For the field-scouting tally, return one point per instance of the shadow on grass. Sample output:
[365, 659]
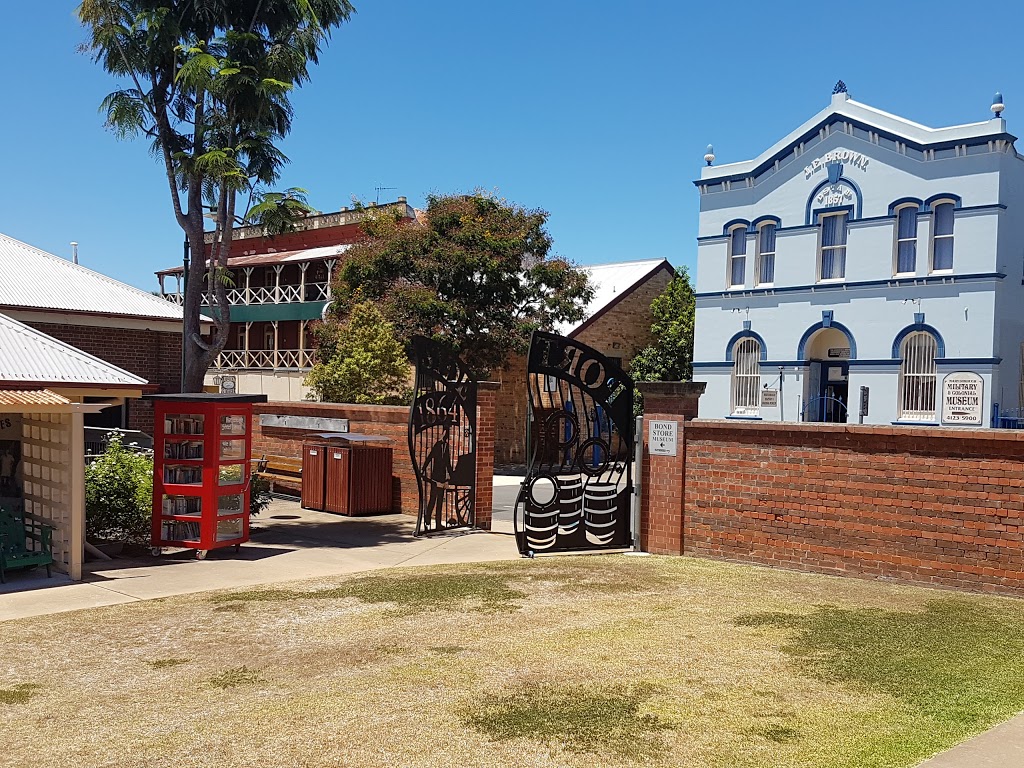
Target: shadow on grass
[959, 662]
[19, 694]
[483, 592]
[579, 718]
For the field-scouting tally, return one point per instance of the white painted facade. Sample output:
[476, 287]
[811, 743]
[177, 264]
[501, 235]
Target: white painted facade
[890, 299]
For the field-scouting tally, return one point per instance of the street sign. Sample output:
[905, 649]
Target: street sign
[661, 437]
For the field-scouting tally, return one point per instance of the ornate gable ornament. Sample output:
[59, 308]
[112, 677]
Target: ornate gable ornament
[840, 88]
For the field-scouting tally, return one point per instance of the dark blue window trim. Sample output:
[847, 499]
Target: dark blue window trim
[801, 352]
[745, 418]
[808, 220]
[946, 196]
[766, 220]
[731, 225]
[892, 282]
[906, 201]
[898, 341]
[746, 334]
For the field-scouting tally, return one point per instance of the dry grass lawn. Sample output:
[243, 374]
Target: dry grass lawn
[590, 661]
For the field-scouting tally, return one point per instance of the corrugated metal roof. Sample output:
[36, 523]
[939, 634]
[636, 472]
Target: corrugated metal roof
[609, 282]
[281, 257]
[33, 278]
[28, 355]
[12, 397]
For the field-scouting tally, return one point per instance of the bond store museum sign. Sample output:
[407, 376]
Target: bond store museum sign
[662, 438]
[963, 395]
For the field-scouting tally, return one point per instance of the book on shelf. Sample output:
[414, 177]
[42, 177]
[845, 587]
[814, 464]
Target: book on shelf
[183, 475]
[179, 530]
[185, 450]
[183, 505]
[183, 425]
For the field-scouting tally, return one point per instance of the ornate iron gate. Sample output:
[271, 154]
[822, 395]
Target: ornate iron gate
[579, 483]
[442, 438]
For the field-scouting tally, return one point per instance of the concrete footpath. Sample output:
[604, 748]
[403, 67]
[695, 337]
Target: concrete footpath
[287, 543]
[1000, 747]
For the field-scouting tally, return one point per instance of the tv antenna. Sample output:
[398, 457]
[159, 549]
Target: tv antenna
[382, 189]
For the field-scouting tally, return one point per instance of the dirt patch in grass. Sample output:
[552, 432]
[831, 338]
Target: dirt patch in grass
[605, 720]
[235, 677]
[409, 593]
[166, 663]
[19, 694]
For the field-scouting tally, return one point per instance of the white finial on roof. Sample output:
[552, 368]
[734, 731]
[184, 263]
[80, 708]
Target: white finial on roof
[997, 104]
[709, 156]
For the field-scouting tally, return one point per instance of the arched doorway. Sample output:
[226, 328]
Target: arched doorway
[828, 351]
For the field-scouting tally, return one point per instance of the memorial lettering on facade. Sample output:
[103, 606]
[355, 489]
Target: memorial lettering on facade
[578, 489]
[442, 438]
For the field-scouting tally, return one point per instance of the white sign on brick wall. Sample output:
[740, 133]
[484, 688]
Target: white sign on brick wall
[661, 437]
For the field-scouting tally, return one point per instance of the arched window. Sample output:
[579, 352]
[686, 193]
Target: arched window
[737, 256]
[906, 240]
[766, 254]
[942, 236]
[746, 378]
[917, 377]
[832, 258]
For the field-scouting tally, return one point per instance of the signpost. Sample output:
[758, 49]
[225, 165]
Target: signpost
[963, 395]
[863, 403]
[661, 437]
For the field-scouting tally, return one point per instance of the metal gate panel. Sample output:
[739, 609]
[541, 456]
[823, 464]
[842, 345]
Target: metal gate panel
[442, 438]
[577, 494]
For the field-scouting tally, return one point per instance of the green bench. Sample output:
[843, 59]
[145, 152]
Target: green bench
[24, 542]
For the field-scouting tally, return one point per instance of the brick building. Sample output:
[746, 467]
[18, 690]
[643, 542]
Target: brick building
[617, 324]
[281, 285]
[121, 325]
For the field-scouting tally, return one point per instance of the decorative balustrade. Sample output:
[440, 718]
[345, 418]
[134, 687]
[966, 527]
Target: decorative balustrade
[265, 358]
[270, 294]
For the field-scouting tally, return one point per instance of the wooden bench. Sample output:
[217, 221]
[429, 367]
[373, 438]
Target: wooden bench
[24, 542]
[280, 469]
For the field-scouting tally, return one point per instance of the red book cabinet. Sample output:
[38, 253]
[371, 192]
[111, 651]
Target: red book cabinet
[202, 446]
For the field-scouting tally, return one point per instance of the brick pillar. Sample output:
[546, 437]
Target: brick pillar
[486, 424]
[662, 506]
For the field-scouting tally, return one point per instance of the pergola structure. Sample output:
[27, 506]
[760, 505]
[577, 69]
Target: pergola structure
[43, 387]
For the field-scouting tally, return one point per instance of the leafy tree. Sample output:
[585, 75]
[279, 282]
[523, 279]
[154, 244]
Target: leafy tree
[119, 494]
[670, 357]
[474, 273]
[360, 360]
[209, 82]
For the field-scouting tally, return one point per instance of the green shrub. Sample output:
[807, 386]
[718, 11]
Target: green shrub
[119, 495]
[259, 494]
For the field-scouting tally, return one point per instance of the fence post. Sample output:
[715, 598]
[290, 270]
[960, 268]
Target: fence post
[667, 406]
[486, 430]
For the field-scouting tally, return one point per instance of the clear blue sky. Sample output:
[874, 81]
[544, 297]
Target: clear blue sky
[598, 112]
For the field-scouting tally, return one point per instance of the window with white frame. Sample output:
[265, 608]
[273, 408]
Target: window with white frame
[832, 261]
[766, 254]
[942, 236]
[917, 377]
[737, 256]
[906, 240]
[746, 378]
[240, 337]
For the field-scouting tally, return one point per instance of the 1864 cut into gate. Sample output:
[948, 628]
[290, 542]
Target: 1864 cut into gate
[442, 438]
[579, 482]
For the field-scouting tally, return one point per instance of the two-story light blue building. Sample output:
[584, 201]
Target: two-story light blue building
[863, 250]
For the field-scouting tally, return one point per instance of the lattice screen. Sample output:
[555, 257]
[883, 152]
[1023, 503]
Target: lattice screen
[46, 467]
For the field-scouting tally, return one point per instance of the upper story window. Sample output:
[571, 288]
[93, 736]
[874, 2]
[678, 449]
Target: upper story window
[766, 254]
[917, 377]
[746, 378]
[737, 256]
[832, 259]
[942, 236]
[906, 240]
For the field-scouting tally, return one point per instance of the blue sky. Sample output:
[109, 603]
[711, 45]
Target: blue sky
[597, 112]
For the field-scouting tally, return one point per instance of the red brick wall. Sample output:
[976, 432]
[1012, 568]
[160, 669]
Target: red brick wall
[153, 355]
[928, 505]
[387, 420]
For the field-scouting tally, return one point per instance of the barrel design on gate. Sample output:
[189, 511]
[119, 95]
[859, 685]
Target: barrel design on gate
[578, 488]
